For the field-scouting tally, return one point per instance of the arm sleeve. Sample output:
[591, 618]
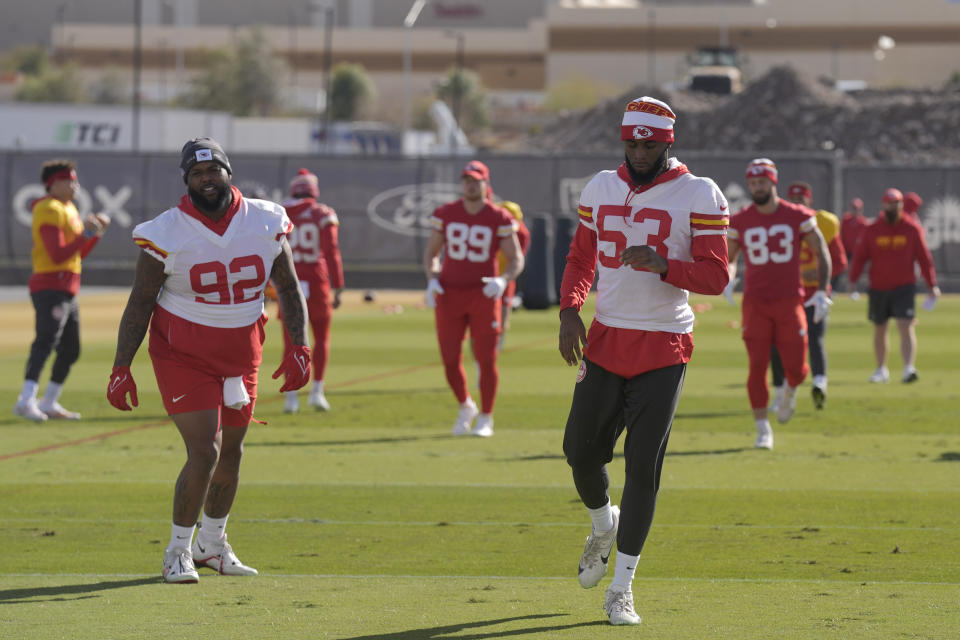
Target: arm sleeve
[580, 270]
[860, 257]
[57, 247]
[330, 248]
[838, 256]
[709, 220]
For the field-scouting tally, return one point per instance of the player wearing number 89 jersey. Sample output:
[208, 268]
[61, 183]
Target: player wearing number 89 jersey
[465, 289]
[770, 233]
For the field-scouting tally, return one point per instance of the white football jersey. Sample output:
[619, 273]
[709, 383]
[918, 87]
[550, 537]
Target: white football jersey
[662, 217]
[216, 280]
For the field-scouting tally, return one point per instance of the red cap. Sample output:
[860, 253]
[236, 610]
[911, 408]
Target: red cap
[799, 189]
[857, 203]
[912, 202]
[477, 170]
[892, 195]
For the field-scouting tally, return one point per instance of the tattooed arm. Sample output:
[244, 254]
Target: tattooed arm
[136, 316]
[289, 295]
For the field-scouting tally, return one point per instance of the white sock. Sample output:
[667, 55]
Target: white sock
[602, 518]
[763, 425]
[52, 393]
[180, 536]
[29, 391]
[318, 386]
[909, 369]
[291, 394]
[623, 573]
[468, 403]
[820, 381]
[212, 529]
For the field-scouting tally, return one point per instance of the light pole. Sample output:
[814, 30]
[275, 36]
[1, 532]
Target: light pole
[408, 23]
[328, 13]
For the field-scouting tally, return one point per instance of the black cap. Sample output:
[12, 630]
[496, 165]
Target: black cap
[202, 150]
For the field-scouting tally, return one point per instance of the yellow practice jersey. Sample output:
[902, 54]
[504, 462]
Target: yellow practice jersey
[63, 215]
[830, 228]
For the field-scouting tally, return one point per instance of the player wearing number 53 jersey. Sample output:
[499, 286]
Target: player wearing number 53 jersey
[316, 255]
[465, 289]
[770, 233]
[199, 284]
[654, 232]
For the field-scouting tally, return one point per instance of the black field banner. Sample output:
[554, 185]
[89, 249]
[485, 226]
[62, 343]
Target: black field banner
[384, 203]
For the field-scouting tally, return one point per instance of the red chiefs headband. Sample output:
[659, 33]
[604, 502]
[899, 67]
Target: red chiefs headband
[63, 174]
[647, 118]
[762, 167]
[797, 189]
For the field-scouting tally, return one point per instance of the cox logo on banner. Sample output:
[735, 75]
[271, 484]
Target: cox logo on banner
[407, 209]
[109, 203]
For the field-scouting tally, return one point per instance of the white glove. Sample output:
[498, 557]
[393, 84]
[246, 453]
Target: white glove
[433, 288]
[728, 292]
[494, 287]
[821, 305]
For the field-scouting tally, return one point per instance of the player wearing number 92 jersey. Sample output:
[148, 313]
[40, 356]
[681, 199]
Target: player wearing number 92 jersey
[209, 314]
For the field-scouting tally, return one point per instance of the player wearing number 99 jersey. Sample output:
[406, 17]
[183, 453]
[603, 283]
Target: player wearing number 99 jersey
[770, 233]
[465, 289]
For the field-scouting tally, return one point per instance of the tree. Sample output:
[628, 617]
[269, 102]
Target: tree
[31, 60]
[464, 94]
[111, 88]
[351, 91]
[244, 79]
[56, 84]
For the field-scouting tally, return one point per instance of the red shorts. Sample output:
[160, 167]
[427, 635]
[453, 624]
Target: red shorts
[459, 308]
[774, 321]
[191, 360]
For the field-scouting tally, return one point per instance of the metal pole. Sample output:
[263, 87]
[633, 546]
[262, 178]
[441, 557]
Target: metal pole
[327, 55]
[458, 87]
[408, 22]
[137, 68]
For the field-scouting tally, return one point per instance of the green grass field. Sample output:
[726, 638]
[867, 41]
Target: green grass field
[372, 522]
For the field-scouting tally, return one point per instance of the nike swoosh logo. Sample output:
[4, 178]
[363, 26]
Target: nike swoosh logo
[116, 383]
[179, 398]
[723, 208]
[200, 547]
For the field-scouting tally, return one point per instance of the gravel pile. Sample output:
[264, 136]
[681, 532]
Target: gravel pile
[786, 111]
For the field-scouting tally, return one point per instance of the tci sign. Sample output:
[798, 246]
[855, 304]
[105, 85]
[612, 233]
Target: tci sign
[88, 134]
[407, 209]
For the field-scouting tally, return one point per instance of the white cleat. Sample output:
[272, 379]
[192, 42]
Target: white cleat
[909, 375]
[787, 404]
[291, 404]
[220, 558]
[55, 411]
[764, 436]
[777, 398]
[28, 409]
[319, 401]
[484, 426]
[882, 374]
[619, 607]
[178, 566]
[468, 411]
[596, 553]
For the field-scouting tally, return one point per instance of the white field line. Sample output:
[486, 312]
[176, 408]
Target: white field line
[810, 528]
[334, 576]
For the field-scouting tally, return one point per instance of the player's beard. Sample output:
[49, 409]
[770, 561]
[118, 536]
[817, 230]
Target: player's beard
[646, 177]
[205, 205]
[891, 216]
[761, 199]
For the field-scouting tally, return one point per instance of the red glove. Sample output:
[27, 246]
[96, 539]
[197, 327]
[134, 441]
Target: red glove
[121, 383]
[295, 368]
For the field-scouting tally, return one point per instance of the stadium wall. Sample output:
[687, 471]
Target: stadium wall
[384, 202]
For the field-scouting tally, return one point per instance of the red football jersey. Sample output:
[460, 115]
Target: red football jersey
[316, 252]
[470, 242]
[770, 243]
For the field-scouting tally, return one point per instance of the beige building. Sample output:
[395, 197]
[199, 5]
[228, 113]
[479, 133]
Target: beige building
[520, 48]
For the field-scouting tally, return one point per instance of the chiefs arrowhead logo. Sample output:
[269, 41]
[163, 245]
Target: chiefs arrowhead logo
[641, 132]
